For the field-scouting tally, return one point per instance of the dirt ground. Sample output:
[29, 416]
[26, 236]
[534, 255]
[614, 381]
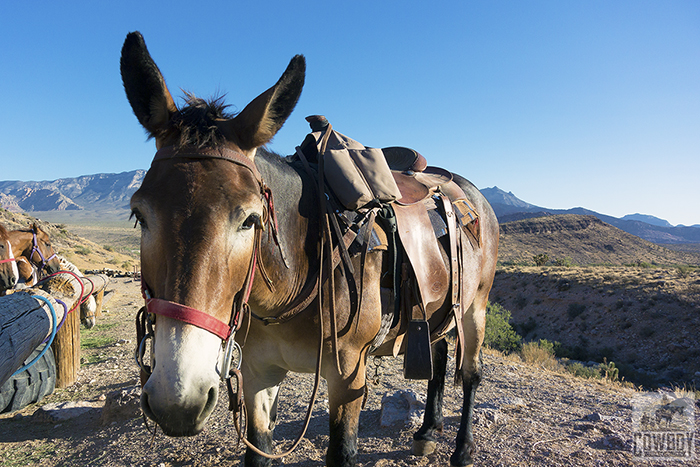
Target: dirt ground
[525, 416]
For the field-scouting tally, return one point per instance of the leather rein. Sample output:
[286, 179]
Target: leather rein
[146, 317]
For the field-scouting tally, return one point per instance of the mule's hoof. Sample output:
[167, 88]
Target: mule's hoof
[423, 447]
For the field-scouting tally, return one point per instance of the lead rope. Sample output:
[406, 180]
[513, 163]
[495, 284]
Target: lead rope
[239, 408]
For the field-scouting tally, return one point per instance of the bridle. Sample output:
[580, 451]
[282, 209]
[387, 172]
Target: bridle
[146, 317]
[35, 249]
[226, 331]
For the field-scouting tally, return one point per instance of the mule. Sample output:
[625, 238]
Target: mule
[34, 244]
[9, 275]
[213, 244]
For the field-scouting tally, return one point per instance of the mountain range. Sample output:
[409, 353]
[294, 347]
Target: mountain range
[112, 192]
[99, 192]
[509, 208]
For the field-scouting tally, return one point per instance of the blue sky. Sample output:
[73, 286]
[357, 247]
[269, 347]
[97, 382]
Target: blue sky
[588, 103]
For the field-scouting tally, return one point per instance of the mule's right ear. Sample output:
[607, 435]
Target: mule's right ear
[145, 87]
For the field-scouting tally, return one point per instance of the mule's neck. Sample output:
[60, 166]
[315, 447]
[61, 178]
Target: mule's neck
[296, 208]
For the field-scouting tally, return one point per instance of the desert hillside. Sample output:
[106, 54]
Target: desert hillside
[584, 240]
[645, 319]
[112, 253]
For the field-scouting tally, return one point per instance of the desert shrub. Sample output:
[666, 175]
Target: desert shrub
[83, 250]
[565, 262]
[683, 271]
[575, 309]
[126, 265]
[108, 247]
[582, 371]
[609, 371]
[499, 334]
[540, 259]
[542, 354]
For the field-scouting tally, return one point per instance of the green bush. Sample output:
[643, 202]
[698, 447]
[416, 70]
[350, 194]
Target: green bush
[582, 371]
[540, 259]
[499, 334]
[683, 271]
[82, 250]
[565, 262]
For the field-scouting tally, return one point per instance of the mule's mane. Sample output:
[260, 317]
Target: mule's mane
[195, 123]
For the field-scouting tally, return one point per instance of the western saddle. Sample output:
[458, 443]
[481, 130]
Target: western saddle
[390, 199]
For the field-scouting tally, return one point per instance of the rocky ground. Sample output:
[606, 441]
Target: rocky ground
[525, 415]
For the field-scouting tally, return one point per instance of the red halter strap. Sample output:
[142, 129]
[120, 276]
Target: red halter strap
[8, 260]
[189, 316]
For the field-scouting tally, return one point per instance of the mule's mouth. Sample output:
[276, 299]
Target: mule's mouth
[178, 421]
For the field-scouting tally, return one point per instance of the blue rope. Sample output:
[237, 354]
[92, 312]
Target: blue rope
[50, 340]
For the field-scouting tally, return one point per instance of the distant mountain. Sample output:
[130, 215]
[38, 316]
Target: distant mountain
[509, 208]
[100, 192]
[648, 219]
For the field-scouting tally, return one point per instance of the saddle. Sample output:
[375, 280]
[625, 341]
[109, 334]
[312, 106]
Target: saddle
[414, 206]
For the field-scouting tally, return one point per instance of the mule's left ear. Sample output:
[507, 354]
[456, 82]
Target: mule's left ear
[265, 115]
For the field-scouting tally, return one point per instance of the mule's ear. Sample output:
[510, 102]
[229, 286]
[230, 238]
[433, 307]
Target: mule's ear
[265, 115]
[144, 85]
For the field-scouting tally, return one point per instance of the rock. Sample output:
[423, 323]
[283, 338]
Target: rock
[62, 411]
[121, 404]
[401, 407]
[510, 402]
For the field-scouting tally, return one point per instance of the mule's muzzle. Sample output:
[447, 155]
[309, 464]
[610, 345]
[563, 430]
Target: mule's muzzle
[7, 281]
[53, 266]
[185, 418]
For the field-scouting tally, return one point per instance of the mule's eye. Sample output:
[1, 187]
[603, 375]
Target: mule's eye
[139, 218]
[251, 221]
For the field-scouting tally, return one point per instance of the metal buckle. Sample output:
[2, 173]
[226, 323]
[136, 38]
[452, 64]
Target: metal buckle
[141, 351]
[231, 346]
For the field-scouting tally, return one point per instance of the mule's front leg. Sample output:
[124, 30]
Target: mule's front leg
[424, 438]
[261, 396]
[345, 396]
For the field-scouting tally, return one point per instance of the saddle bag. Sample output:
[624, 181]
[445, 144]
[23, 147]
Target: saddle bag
[356, 174]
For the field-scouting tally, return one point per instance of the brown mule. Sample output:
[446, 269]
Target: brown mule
[216, 249]
[35, 245]
[9, 274]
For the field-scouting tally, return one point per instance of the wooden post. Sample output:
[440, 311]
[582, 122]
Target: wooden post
[66, 350]
[24, 323]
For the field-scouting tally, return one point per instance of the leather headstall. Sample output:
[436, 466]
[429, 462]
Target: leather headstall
[223, 330]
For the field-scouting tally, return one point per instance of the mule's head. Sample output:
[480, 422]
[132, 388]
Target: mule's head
[43, 254]
[198, 218]
[8, 265]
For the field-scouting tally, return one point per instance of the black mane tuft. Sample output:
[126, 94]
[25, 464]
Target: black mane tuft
[196, 121]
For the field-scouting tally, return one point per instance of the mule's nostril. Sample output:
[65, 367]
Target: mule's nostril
[146, 407]
[212, 397]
